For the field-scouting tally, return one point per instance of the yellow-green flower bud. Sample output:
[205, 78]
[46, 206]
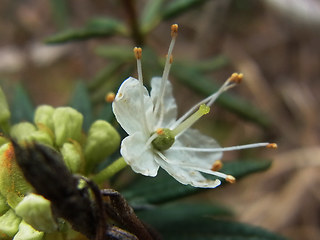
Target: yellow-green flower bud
[22, 131]
[42, 137]
[26, 232]
[36, 211]
[13, 186]
[43, 115]
[4, 113]
[3, 205]
[9, 224]
[103, 140]
[67, 125]
[73, 156]
[3, 140]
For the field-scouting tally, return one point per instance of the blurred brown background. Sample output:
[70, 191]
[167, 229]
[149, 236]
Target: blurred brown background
[275, 43]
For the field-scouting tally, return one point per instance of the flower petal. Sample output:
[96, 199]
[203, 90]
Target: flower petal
[127, 109]
[187, 175]
[138, 155]
[195, 139]
[169, 102]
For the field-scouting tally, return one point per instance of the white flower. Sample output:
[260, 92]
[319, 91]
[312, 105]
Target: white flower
[158, 139]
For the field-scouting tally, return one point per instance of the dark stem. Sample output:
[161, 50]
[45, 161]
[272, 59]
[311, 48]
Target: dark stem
[133, 22]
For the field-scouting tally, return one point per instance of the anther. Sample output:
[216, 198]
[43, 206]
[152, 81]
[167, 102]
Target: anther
[137, 53]
[230, 179]
[272, 145]
[236, 77]
[171, 59]
[110, 97]
[217, 165]
[174, 30]
[159, 131]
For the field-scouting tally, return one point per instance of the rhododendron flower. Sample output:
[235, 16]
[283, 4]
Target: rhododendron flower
[157, 138]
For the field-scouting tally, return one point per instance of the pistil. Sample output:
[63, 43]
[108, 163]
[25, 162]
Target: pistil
[203, 109]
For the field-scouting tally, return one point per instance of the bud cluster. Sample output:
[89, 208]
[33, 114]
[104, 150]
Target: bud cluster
[24, 214]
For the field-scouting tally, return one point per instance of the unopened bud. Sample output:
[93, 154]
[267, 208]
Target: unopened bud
[3, 140]
[22, 132]
[26, 232]
[9, 224]
[3, 205]
[42, 137]
[102, 141]
[13, 185]
[43, 115]
[72, 156]
[67, 125]
[36, 211]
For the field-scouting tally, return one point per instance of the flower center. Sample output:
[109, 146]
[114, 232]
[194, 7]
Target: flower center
[164, 140]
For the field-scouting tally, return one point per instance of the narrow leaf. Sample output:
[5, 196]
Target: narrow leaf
[95, 28]
[116, 52]
[81, 102]
[213, 229]
[22, 108]
[158, 216]
[151, 14]
[60, 12]
[178, 7]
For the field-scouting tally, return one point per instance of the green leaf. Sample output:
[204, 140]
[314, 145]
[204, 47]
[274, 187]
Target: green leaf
[98, 27]
[105, 75]
[59, 12]
[198, 221]
[151, 15]
[213, 229]
[22, 108]
[209, 65]
[178, 7]
[81, 102]
[116, 52]
[195, 80]
[242, 168]
[163, 187]
[106, 112]
[158, 216]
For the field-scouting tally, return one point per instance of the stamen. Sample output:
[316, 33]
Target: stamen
[174, 30]
[254, 145]
[232, 81]
[203, 109]
[110, 97]
[138, 54]
[272, 145]
[236, 77]
[169, 59]
[230, 179]
[217, 165]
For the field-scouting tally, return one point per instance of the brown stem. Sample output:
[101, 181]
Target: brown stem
[133, 21]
